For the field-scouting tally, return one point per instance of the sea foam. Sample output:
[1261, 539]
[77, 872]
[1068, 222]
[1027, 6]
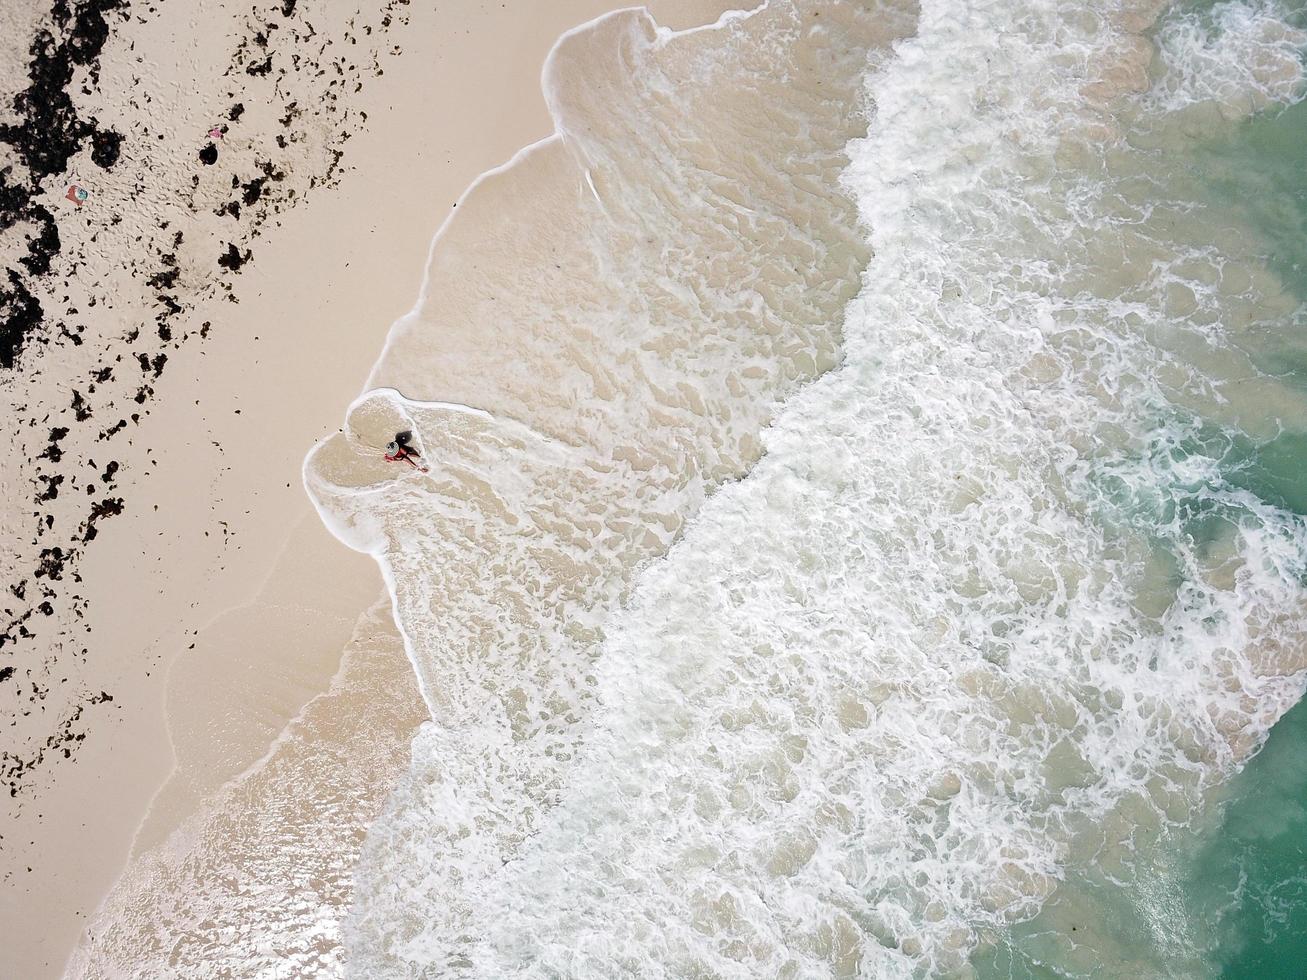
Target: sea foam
[996, 605]
[1239, 57]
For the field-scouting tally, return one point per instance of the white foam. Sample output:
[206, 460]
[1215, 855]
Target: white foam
[956, 633]
[1238, 57]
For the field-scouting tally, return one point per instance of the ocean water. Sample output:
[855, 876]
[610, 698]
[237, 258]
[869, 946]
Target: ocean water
[864, 532]
[254, 882]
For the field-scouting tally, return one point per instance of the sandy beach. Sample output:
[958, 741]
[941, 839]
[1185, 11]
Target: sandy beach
[266, 219]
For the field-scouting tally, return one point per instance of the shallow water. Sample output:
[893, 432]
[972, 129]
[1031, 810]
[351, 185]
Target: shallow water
[1224, 898]
[252, 883]
[1247, 876]
[959, 676]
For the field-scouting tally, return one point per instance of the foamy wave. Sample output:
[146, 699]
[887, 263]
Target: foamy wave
[606, 326]
[255, 883]
[997, 603]
[1239, 57]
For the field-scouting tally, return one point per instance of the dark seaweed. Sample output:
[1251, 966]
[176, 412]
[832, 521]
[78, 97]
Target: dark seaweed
[233, 258]
[47, 134]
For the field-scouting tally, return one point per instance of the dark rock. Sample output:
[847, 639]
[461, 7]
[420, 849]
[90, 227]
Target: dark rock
[105, 146]
[233, 258]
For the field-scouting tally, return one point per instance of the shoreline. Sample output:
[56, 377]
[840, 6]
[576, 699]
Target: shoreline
[584, 393]
[219, 602]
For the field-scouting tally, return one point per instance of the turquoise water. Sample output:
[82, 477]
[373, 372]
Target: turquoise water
[1258, 175]
[1247, 877]
[1237, 893]
[1227, 897]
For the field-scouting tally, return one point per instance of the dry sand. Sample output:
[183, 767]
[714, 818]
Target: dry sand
[228, 603]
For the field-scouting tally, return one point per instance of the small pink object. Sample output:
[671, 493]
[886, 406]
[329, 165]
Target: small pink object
[215, 133]
[77, 194]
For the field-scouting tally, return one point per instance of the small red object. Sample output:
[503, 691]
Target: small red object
[402, 454]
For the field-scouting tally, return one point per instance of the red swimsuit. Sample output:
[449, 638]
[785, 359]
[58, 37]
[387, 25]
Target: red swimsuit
[405, 454]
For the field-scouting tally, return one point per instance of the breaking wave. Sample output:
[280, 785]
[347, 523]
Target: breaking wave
[1011, 585]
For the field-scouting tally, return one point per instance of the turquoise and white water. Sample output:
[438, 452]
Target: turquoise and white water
[866, 532]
